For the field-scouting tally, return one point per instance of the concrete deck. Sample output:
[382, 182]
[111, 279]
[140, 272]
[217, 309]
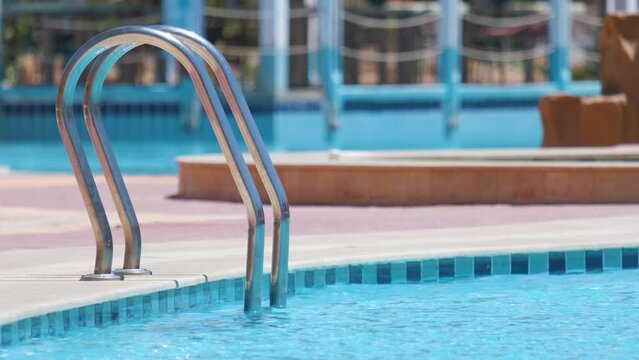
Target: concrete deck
[46, 242]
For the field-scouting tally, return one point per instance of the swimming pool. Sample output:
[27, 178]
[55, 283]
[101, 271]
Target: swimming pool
[447, 305]
[588, 315]
[134, 157]
[150, 142]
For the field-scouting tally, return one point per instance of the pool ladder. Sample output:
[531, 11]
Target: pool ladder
[193, 52]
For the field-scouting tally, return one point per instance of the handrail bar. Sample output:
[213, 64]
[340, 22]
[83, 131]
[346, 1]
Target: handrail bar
[213, 108]
[248, 128]
[112, 173]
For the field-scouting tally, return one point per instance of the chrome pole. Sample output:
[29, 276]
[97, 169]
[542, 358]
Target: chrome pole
[248, 128]
[112, 173]
[82, 172]
[138, 35]
[266, 170]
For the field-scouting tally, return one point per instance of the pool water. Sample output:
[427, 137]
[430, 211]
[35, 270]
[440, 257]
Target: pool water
[150, 143]
[539, 316]
[142, 157]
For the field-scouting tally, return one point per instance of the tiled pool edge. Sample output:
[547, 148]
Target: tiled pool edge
[381, 272]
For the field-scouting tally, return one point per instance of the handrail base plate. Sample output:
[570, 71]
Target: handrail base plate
[136, 272]
[101, 277]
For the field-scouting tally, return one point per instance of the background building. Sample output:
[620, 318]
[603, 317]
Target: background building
[430, 69]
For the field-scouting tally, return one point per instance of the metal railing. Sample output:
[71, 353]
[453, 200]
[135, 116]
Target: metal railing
[107, 48]
[233, 93]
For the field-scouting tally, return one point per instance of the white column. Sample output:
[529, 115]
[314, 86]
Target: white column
[560, 38]
[186, 14]
[313, 43]
[332, 78]
[274, 44]
[450, 43]
[621, 5]
[1, 44]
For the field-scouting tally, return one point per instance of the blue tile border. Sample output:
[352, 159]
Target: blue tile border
[226, 291]
[575, 262]
[594, 260]
[482, 266]
[538, 263]
[612, 259]
[446, 269]
[430, 270]
[629, 258]
[557, 262]
[519, 264]
[413, 271]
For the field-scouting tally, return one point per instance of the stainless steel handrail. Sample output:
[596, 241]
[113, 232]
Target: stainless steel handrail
[112, 173]
[135, 35]
[248, 128]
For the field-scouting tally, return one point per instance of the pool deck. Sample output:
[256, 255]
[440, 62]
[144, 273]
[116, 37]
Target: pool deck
[46, 242]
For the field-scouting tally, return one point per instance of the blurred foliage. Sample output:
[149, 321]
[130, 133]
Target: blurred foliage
[235, 30]
[46, 30]
[587, 71]
[24, 34]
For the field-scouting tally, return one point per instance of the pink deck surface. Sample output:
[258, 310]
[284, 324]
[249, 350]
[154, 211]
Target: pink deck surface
[46, 194]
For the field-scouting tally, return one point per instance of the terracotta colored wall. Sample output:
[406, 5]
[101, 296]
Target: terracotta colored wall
[425, 185]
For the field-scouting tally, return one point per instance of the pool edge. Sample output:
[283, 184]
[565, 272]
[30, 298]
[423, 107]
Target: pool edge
[221, 291]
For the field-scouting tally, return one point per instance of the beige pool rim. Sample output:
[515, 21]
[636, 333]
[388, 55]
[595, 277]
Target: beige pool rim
[388, 178]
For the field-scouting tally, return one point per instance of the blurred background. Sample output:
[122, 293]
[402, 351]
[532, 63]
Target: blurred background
[344, 74]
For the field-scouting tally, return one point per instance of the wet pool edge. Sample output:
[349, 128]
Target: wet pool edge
[231, 290]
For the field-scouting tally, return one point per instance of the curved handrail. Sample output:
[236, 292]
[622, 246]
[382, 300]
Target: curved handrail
[213, 108]
[248, 128]
[112, 173]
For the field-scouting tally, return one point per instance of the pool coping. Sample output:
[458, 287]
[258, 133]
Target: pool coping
[231, 290]
[627, 152]
[316, 260]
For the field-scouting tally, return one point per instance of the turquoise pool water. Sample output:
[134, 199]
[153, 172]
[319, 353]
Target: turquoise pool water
[134, 157]
[591, 315]
[149, 143]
